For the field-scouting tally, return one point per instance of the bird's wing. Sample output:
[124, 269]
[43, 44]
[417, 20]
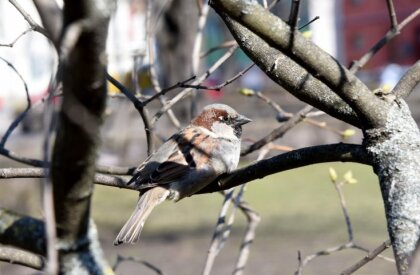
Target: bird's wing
[186, 150]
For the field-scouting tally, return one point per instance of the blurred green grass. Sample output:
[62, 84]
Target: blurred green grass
[299, 201]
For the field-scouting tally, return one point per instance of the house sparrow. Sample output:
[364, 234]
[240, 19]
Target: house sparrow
[186, 163]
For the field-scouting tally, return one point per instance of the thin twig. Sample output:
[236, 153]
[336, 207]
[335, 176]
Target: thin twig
[140, 108]
[121, 259]
[11, 44]
[372, 255]
[222, 46]
[218, 231]
[223, 228]
[150, 41]
[279, 132]
[338, 187]
[204, 9]
[392, 15]
[325, 252]
[294, 14]
[198, 81]
[16, 157]
[195, 58]
[36, 27]
[16, 122]
[310, 22]
[358, 64]
[21, 257]
[274, 105]
[182, 84]
[253, 220]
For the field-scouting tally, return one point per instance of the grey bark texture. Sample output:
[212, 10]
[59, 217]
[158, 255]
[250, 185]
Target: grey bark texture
[395, 151]
[77, 139]
[390, 134]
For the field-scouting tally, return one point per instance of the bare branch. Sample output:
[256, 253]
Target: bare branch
[16, 122]
[150, 38]
[289, 160]
[294, 14]
[287, 73]
[203, 11]
[52, 19]
[372, 255]
[356, 65]
[36, 27]
[338, 188]
[140, 107]
[221, 85]
[11, 44]
[310, 22]
[325, 252]
[279, 132]
[217, 234]
[253, 220]
[286, 161]
[306, 54]
[199, 80]
[224, 45]
[21, 257]
[408, 82]
[115, 170]
[121, 259]
[16, 157]
[182, 84]
[392, 15]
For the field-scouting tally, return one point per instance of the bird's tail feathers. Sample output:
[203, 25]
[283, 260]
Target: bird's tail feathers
[130, 232]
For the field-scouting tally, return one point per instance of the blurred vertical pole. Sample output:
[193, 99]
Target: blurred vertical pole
[175, 43]
[77, 140]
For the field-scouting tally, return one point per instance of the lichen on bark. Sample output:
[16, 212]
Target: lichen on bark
[395, 152]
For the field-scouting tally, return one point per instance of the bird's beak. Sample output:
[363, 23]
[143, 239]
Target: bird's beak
[241, 120]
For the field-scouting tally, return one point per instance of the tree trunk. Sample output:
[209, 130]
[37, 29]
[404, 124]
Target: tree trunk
[77, 140]
[395, 152]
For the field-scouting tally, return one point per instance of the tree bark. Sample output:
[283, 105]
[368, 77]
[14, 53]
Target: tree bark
[391, 136]
[77, 139]
[395, 152]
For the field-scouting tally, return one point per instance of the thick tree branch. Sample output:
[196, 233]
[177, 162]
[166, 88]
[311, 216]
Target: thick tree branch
[290, 75]
[77, 138]
[395, 153]
[21, 257]
[52, 19]
[290, 160]
[408, 82]
[286, 161]
[324, 67]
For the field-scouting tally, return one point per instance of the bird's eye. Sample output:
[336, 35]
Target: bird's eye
[225, 118]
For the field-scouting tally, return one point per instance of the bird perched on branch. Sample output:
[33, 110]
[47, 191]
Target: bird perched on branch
[186, 163]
